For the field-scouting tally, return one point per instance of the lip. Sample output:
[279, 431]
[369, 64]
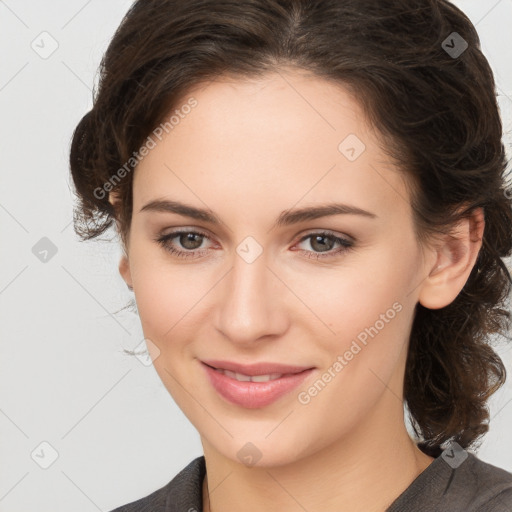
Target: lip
[253, 395]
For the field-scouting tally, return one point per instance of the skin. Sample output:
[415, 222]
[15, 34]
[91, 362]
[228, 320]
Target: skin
[248, 151]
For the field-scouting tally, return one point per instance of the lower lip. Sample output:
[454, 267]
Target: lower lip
[253, 395]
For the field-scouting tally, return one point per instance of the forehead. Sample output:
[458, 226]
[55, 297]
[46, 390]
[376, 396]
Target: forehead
[288, 104]
[286, 136]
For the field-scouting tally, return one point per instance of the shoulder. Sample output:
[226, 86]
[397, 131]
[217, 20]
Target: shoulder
[458, 482]
[183, 492]
[475, 486]
[491, 486]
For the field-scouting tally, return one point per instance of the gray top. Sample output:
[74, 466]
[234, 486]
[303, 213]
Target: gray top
[449, 484]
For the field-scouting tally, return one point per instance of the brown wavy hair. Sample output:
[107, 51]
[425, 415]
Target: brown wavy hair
[437, 114]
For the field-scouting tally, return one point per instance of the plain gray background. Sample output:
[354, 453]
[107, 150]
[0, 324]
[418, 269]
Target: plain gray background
[114, 430]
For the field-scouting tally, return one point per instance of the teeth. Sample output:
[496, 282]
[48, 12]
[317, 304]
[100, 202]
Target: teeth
[265, 378]
[240, 376]
[248, 378]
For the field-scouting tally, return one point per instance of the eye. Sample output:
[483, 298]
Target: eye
[188, 239]
[323, 242]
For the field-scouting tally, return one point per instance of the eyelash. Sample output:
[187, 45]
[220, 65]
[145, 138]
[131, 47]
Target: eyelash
[346, 245]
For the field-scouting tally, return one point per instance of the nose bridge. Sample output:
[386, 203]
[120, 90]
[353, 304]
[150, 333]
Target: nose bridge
[249, 305]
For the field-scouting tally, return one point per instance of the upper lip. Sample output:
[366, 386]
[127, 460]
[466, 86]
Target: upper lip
[263, 368]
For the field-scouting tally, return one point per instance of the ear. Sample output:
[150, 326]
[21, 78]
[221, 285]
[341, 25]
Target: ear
[456, 257]
[124, 264]
[114, 200]
[124, 270]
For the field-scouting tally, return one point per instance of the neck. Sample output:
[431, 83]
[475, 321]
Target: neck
[366, 470]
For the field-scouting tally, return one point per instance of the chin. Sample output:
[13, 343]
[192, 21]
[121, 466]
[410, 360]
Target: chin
[256, 451]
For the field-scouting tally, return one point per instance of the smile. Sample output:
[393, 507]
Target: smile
[254, 391]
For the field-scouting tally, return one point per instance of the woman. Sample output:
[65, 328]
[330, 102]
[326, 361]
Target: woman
[311, 201]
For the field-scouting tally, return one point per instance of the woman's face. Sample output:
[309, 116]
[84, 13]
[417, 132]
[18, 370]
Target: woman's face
[263, 284]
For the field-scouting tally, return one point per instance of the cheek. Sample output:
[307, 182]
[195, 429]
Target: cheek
[352, 295]
[363, 314]
[169, 296]
[371, 316]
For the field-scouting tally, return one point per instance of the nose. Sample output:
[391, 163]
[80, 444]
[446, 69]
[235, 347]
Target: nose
[252, 304]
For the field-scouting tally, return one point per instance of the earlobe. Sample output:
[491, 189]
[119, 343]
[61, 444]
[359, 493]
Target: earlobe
[456, 257]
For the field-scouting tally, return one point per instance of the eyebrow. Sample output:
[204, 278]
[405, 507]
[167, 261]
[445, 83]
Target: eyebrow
[286, 217]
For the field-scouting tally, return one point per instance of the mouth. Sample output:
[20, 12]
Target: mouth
[255, 369]
[240, 377]
[256, 385]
